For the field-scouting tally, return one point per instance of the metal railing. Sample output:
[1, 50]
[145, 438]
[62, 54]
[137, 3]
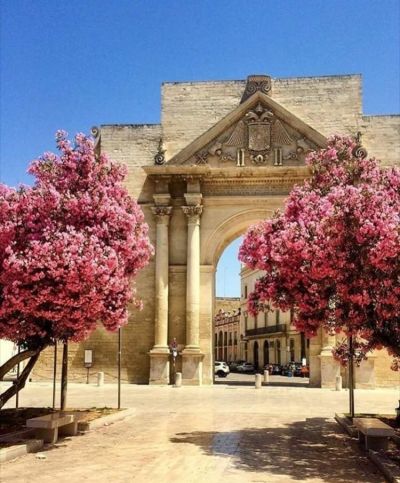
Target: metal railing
[271, 329]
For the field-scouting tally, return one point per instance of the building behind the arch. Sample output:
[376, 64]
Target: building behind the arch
[224, 155]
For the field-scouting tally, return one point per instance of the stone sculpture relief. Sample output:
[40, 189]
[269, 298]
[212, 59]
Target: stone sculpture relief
[260, 138]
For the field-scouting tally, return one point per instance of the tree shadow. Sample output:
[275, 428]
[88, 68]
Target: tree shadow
[301, 450]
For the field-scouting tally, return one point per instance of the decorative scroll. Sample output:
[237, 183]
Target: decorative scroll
[159, 158]
[359, 151]
[96, 133]
[256, 83]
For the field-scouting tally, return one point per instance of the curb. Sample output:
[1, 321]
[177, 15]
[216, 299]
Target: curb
[28, 433]
[85, 426]
[20, 449]
[390, 470]
[344, 422]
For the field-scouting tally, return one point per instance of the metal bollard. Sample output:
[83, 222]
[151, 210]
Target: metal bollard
[100, 378]
[266, 377]
[338, 385]
[178, 379]
[258, 381]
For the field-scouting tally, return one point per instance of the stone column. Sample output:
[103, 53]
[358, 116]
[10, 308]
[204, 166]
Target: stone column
[330, 368]
[159, 355]
[192, 357]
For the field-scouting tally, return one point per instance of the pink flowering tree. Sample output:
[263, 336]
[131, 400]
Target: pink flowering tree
[70, 249]
[333, 254]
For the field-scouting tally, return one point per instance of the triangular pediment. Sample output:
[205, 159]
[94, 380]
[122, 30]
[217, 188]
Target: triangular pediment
[258, 132]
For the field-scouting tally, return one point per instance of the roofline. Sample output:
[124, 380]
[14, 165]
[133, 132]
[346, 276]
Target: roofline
[234, 81]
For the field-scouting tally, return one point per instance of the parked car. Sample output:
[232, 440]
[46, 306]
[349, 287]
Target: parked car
[234, 365]
[221, 369]
[246, 367]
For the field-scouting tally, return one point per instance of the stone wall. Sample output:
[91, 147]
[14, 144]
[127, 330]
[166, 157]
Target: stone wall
[381, 136]
[227, 304]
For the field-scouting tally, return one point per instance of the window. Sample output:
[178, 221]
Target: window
[245, 291]
[245, 323]
[255, 321]
[277, 317]
[265, 319]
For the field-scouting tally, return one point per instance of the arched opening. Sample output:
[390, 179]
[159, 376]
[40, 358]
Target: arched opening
[266, 352]
[255, 355]
[266, 339]
[220, 346]
[278, 352]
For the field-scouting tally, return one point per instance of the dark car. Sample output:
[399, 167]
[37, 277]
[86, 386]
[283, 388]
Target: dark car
[233, 366]
[246, 367]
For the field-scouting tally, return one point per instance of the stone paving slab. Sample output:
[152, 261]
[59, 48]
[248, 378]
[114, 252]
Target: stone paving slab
[210, 434]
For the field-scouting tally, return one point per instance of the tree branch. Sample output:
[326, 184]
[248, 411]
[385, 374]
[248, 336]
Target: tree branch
[8, 365]
[21, 381]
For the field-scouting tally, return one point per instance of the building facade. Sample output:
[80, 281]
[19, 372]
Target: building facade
[226, 329]
[224, 156]
[268, 337]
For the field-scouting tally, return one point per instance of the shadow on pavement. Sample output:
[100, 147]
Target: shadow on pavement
[302, 450]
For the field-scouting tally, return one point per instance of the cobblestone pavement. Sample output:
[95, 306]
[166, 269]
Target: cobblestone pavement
[210, 434]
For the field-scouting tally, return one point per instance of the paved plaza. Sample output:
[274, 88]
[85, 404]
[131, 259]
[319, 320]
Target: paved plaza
[209, 434]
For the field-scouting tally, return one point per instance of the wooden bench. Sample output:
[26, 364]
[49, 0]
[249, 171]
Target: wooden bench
[373, 433]
[49, 427]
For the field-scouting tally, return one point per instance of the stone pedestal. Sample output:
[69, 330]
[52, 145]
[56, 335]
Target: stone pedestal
[192, 367]
[364, 375]
[159, 366]
[330, 369]
[314, 361]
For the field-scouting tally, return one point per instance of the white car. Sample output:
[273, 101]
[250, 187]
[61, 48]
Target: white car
[221, 369]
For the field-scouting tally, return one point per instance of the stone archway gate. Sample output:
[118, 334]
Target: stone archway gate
[235, 174]
[224, 156]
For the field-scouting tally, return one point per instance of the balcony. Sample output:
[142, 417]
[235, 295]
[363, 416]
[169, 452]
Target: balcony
[271, 329]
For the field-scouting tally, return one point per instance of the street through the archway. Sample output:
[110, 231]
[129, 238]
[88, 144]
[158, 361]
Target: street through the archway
[209, 434]
[237, 379]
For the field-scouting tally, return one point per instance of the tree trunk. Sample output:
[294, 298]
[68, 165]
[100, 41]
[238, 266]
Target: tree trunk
[351, 377]
[20, 382]
[64, 377]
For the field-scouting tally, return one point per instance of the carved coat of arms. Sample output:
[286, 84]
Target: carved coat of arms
[256, 132]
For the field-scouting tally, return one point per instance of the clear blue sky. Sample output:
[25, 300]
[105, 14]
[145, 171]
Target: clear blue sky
[76, 64]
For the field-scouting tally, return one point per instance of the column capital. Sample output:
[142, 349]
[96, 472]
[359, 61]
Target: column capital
[193, 212]
[162, 214]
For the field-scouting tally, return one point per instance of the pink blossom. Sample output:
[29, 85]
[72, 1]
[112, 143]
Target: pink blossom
[70, 247]
[333, 254]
